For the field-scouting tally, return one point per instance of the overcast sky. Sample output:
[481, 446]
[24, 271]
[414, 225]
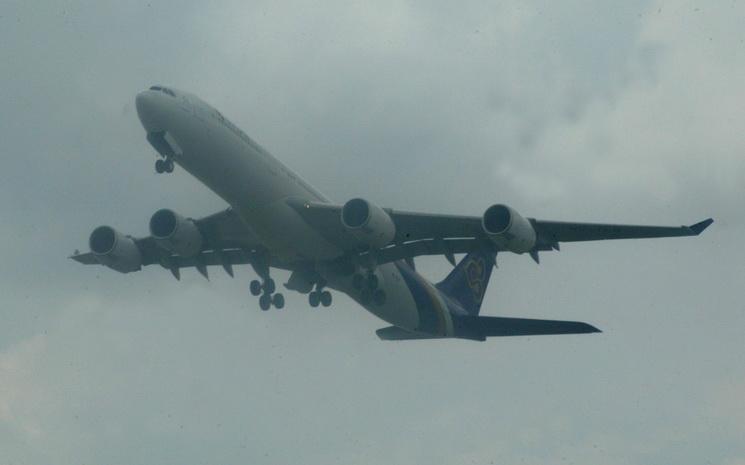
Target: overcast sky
[587, 111]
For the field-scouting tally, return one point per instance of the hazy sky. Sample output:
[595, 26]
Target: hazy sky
[587, 111]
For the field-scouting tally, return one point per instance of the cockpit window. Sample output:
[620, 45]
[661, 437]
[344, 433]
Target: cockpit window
[165, 90]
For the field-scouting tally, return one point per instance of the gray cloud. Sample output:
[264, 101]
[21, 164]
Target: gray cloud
[581, 112]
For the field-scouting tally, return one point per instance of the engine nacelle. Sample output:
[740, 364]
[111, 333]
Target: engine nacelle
[506, 228]
[115, 250]
[368, 223]
[175, 233]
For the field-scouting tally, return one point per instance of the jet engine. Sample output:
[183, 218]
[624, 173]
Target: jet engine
[115, 250]
[506, 228]
[175, 233]
[368, 223]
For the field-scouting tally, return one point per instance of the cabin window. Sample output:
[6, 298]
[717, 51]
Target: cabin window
[165, 90]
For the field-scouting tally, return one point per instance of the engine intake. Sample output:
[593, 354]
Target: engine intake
[368, 223]
[506, 228]
[175, 233]
[115, 250]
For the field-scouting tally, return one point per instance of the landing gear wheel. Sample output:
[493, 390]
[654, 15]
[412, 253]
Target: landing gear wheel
[255, 287]
[160, 166]
[325, 298]
[168, 166]
[358, 281]
[265, 301]
[314, 298]
[378, 297]
[269, 286]
[372, 281]
[365, 297]
[278, 300]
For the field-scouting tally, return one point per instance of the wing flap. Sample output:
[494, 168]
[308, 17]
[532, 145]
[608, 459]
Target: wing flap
[226, 238]
[430, 247]
[225, 229]
[412, 226]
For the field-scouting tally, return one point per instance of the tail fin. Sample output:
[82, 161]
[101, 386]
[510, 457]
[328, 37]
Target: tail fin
[467, 283]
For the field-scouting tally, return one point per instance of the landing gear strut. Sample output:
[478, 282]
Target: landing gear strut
[266, 287]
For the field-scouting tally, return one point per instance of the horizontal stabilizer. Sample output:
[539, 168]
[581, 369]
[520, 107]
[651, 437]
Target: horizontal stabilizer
[394, 333]
[478, 328]
[493, 326]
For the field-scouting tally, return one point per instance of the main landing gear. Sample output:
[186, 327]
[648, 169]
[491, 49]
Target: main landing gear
[319, 297]
[268, 296]
[164, 165]
[266, 287]
[368, 287]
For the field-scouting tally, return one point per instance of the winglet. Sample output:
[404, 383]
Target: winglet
[698, 228]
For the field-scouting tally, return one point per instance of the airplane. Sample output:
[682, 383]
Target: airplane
[275, 219]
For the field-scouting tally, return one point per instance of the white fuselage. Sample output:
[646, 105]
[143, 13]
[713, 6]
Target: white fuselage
[257, 186]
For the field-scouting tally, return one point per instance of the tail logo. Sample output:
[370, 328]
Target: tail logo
[475, 269]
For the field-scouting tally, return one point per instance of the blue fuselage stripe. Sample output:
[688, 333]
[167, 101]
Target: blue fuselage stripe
[430, 318]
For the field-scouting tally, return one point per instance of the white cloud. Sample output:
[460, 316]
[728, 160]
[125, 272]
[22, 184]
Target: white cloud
[555, 108]
[727, 403]
[674, 130]
[740, 461]
[22, 396]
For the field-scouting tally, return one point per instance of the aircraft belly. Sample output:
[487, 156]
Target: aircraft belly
[286, 234]
[434, 313]
[255, 185]
[399, 308]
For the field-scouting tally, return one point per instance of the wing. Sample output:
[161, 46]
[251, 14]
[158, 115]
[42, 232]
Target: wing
[557, 231]
[430, 234]
[227, 242]
[409, 226]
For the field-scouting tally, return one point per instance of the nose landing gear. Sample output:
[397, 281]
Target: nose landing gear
[165, 165]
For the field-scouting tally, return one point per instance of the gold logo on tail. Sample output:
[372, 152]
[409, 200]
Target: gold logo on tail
[475, 271]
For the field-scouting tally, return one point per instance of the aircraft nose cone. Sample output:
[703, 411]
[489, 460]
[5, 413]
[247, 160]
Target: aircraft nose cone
[148, 110]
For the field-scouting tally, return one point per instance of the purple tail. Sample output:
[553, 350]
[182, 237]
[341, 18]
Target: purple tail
[466, 284]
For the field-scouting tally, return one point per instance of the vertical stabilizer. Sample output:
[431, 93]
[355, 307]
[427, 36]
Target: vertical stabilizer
[466, 284]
